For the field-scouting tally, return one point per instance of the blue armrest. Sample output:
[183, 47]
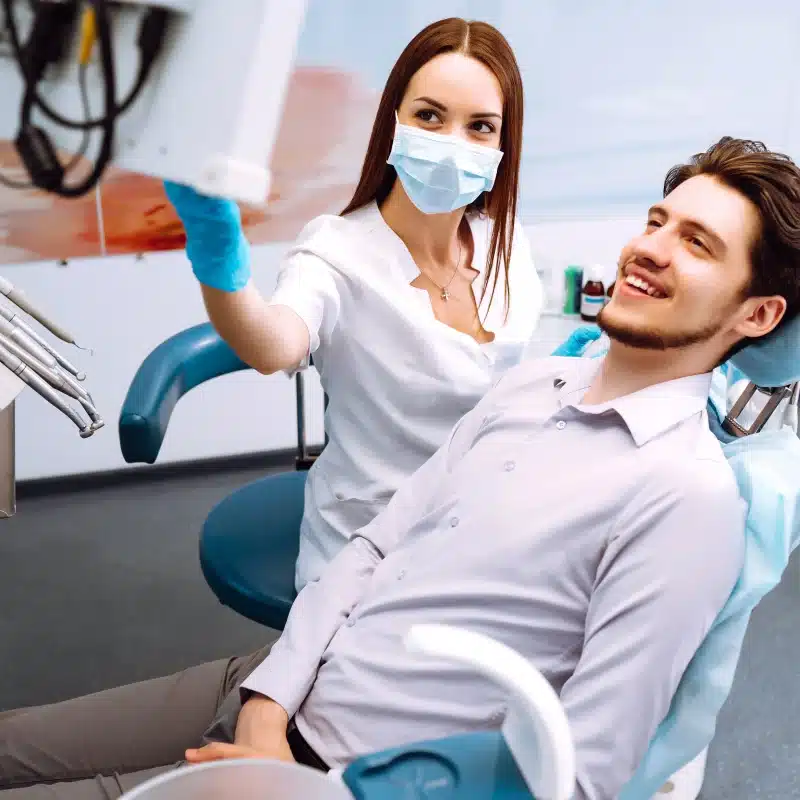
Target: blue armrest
[177, 365]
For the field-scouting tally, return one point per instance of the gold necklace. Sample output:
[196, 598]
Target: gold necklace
[444, 290]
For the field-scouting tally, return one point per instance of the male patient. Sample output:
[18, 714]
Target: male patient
[582, 514]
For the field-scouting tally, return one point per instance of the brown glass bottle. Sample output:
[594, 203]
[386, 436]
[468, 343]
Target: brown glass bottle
[593, 297]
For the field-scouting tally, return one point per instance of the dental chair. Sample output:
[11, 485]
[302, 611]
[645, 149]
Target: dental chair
[249, 545]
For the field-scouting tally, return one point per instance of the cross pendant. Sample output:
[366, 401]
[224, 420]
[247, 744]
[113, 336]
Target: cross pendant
[445, 295]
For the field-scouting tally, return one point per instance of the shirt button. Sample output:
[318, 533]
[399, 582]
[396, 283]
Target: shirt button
[453, 522]
[561, 425]
[350, 622]
[509, 466]
[401, 575]
[339, 496]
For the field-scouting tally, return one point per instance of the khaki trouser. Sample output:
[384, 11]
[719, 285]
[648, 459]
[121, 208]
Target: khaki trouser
[100, 746]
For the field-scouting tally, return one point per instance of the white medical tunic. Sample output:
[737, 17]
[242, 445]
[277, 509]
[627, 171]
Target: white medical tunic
[397, 379]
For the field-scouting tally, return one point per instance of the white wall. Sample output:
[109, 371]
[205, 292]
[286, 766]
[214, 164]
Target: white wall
[123, 308]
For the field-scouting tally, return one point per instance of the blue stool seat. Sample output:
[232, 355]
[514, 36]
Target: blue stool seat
[249, 545]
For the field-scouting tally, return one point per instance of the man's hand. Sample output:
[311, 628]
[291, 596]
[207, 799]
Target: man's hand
[260, 733]
[220, 751]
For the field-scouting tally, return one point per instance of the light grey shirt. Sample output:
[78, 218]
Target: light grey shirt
[599, 541]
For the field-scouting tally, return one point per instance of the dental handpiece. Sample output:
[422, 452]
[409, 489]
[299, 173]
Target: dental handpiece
[73, 383]
[55, 379]
[42, 388]
[15, 320]
[23, 340]
[19, 299]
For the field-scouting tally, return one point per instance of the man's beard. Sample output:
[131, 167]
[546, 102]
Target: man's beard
[653, 339]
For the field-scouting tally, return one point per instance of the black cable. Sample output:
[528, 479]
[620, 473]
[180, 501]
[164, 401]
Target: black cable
[85, 139]
[45, 45]
[87, 113]
[34, 145]
[110, 104]
[152, 32]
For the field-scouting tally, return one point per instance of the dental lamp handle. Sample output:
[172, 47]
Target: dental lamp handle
[19, 299]
[21, 324]
[536, 728]
[41, 387]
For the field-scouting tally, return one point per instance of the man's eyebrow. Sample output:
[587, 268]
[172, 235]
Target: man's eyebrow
[716, 240]
[442, 107]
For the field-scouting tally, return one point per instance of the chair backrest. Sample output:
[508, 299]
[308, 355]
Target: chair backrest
[305, 458]
[767, 470]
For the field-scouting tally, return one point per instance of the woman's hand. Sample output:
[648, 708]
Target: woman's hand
[215, 242]
[260, 733]
[578, 342]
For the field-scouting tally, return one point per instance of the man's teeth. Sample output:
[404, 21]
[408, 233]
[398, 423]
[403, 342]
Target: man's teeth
[633, 280]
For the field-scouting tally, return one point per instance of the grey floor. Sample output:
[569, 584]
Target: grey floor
[103, 587]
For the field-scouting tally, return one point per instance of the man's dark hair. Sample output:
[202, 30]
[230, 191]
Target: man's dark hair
[771, 181]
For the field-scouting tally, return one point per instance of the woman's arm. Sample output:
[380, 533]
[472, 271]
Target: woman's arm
[270, 336]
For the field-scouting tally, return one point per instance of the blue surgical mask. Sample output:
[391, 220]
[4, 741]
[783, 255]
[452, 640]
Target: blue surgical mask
[441, 173]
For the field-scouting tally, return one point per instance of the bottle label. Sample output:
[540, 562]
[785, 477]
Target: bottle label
[591, 304]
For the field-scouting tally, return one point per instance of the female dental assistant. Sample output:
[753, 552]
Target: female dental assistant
[414, 300]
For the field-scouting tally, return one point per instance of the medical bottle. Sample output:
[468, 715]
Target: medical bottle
[593, 296]
[572, 289]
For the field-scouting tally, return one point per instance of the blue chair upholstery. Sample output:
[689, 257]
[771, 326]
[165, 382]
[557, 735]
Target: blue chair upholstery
[176, 366]
[249, 544]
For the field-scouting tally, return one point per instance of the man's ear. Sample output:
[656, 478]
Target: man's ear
[762, 315]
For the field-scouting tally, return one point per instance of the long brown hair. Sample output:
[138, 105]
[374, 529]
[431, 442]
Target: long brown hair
[486, 44]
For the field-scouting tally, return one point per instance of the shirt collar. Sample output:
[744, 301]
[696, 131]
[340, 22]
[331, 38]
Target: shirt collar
[647, 413]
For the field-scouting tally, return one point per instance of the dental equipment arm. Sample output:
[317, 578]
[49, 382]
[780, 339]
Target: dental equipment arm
[790, 416]
[26, 359]
[41, 387]
[20, 300]
[536, 729]
[732, 425]
[55, 379]
[15, 319]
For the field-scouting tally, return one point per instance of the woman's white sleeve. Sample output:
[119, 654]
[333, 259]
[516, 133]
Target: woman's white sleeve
[308, 286]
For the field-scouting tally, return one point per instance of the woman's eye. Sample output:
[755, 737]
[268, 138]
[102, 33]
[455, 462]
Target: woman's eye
[427, 115]
[695, 242]
[483, 127]
[652, 224]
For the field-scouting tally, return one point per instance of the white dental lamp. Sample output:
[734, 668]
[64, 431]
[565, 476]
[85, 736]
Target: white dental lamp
[190, 91]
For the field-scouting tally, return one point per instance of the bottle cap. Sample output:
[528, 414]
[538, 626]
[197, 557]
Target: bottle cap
[593, 274]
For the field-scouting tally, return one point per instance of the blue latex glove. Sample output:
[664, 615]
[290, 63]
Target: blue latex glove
[215, 242]
[578, 341]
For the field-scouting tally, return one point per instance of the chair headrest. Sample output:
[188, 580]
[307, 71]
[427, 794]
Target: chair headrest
[775, 361]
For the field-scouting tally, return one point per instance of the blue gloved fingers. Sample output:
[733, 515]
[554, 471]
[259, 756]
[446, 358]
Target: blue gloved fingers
[578, 341]
[191, 205]
[215, 243]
